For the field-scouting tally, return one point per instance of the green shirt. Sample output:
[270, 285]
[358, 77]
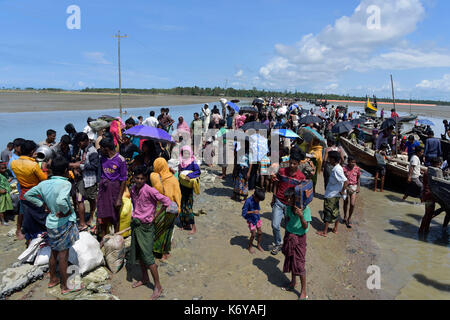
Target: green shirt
[55, 193]
[294, 224]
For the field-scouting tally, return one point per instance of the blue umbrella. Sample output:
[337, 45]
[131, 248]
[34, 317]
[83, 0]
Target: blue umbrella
[294, 106]
[150, 133]
[232, 105]
[308, 134]
[426, 122]
[286, 133]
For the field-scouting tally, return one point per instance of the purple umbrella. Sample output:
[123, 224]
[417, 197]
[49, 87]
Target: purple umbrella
[150, 133]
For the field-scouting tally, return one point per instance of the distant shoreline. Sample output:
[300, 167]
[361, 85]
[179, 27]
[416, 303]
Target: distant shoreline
[386, 103]
[12, 101]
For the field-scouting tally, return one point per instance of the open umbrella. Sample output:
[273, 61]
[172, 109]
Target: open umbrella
[309, 134]
[150, 133]
[249, 109]
[286, 133]
[258, 101]
[254, 125]
[390, 122]
[355, 122]
[232, 105]
[425, 122]
[294, 106]
[310, 119]
[342, 127]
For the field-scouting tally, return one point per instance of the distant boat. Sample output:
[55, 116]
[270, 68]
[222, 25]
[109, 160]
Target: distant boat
[369, 109]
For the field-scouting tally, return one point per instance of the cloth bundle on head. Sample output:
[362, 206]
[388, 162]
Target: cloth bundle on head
[185, 162]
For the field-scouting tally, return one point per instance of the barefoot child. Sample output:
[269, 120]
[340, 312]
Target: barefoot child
[252, 213]
[353, 174]
[336, 186]
[294, 244]
[61, 222]
[5, 198]
[145, 199]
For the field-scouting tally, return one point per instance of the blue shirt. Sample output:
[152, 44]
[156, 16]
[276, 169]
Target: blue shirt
[433, 148]
[251, 205]
[55, 193]
[411, 147]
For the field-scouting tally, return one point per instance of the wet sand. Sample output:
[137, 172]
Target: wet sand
[62, 101]
[214, 263]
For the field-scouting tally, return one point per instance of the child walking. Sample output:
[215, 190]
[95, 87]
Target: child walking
[5, 198]
[337, 184]
[294, 243]
[145, 200]
[251, 211]
[353, 174]
[61, 222]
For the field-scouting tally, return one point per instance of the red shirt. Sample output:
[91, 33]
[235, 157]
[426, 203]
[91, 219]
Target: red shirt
[352, 175]
[292, 181]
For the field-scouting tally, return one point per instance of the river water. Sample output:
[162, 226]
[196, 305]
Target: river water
[411, 268]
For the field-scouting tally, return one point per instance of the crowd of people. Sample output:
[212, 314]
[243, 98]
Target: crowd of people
[102, 166]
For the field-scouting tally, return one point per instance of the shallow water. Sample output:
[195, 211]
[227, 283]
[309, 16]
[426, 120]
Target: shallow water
[411, 268]
[33, 125]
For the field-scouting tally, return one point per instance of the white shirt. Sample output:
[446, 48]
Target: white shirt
[150, 122]
[335, 182]
[207, 114]
[90, 132]
[415, 163]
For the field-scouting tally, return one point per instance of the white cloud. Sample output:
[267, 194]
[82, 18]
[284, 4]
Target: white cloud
[239, 74]
[349, 45]
[96, 57]
[438, 84]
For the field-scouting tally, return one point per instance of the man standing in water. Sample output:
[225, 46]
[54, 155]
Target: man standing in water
[414, 184]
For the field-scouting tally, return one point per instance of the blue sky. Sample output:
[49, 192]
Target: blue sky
[316, 46]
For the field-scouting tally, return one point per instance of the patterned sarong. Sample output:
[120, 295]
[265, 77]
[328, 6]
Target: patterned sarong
[63, 237]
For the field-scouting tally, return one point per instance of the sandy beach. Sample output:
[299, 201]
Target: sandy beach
[61, 101]
[214, 263]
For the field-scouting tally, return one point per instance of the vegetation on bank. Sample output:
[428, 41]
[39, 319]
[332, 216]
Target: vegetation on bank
[231, 92]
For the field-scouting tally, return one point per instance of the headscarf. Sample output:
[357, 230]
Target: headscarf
[185, 162]
[183, 126]
[316, 150]
[170, 187]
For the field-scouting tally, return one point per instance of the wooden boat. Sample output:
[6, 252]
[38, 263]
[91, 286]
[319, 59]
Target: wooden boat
[410, 118]
[440, 188]
[395, 167]
[362, 155]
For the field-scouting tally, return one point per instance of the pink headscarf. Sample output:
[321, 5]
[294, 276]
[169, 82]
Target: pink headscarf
[185, 162]
[183, 127]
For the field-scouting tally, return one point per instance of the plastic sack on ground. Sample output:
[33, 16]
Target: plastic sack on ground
[114, 250]
[86, 253]
[43, 256]
[30, 253]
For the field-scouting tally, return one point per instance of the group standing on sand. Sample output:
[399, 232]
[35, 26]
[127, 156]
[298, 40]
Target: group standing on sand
[160, 178]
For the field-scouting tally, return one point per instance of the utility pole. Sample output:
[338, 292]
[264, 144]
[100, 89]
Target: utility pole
[118, 36]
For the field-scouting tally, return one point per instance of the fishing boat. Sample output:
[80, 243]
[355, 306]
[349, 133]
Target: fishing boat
[362, 154]
[445, 144]
[411, 117]
[369, 109]
[396, 166]
[440, 188]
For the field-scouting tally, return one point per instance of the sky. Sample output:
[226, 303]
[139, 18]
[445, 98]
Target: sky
[343, 47]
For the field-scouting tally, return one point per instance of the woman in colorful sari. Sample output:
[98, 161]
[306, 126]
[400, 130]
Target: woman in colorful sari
[164, 181]
[316, 150]
[188, 163]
